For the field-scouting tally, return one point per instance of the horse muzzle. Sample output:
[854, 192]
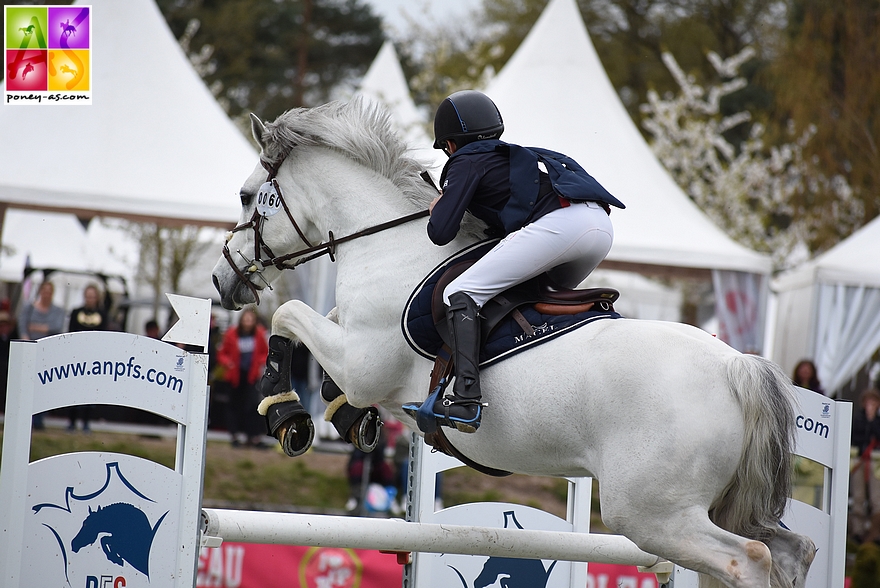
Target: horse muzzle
[234, 293]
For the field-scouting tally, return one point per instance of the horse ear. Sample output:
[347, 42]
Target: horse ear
[258, 129]
[90, 509]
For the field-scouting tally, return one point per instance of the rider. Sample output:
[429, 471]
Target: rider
[553, 216]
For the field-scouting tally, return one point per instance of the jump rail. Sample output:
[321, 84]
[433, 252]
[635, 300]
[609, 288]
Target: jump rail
[398, 535]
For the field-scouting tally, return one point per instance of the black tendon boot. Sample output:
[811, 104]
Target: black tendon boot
[462, 409]
[286, 419]
[358, 426]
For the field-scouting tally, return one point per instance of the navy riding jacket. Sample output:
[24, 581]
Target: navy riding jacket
[501, 184]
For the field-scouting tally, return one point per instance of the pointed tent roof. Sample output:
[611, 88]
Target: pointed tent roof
[554, 93]
[154, 144]
[853, 262]
[385, 83]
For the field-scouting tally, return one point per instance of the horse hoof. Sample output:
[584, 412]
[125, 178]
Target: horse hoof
[296, 435]
[364, 434]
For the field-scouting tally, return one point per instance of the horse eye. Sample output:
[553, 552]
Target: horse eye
[245, 198]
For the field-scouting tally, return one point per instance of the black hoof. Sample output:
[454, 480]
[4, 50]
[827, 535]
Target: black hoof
[292, 425]
[296, 435]
[364, 433]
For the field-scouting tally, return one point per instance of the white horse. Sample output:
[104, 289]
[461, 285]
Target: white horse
[690, 440]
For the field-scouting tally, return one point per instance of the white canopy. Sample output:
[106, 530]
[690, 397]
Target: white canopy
[554, 93]
[154, 144]
[386, 84]
[828, 309]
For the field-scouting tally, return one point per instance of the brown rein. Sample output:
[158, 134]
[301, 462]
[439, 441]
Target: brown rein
[309, 253]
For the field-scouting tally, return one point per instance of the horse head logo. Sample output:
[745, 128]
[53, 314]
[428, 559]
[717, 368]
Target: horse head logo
[511, 572]
[128, 537]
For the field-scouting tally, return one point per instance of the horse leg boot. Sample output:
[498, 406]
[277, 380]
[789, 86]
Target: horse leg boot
[462, 409]
[358, 426]
[286, 418]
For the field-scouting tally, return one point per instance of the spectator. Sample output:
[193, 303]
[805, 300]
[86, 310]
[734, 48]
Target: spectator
[377, 470]
[151, 329]
[41, 319]
[805, 376]
[864, 519]
[89, 317]
[242, 356]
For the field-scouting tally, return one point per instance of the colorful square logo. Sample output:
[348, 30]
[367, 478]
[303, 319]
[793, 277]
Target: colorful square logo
[47, 55]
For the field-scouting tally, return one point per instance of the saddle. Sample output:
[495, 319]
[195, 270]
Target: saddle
[540, 292]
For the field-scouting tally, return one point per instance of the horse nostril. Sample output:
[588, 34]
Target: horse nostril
[216, 283]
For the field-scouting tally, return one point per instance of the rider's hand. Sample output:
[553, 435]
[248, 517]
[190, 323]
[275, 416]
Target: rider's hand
[433, 202]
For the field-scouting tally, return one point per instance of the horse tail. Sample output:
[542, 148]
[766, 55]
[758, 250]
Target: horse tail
[753, 503]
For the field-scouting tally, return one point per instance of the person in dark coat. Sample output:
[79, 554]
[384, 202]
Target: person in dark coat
[91, 316]
[864, 515]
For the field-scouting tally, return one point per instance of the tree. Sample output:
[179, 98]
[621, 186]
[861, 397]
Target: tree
[165, 254]
[827, 76]
[630, 37]
[753, 191]
[268, 57]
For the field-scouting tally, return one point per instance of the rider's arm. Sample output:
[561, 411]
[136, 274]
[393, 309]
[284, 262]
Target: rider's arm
[458, 190]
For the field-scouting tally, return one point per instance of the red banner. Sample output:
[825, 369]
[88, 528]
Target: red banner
[240, 565]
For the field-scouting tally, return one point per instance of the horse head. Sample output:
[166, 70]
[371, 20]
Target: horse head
[89, 531]
[324, 173]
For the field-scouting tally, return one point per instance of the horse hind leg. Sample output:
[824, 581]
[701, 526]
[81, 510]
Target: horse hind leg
[689, 539]
[792, 556]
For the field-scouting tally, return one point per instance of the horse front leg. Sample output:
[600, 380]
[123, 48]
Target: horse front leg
[287, 420]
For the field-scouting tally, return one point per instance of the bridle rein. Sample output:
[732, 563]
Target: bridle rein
[270, 193]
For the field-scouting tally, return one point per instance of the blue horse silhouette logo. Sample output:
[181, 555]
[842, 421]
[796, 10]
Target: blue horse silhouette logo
[122, 529]
[509, 571]
[129, 535]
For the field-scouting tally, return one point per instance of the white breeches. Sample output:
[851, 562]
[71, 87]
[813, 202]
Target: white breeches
[568, 243]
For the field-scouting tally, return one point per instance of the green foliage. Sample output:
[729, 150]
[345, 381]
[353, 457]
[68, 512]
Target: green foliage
[268, 57]
[826, 75]
[866, 570]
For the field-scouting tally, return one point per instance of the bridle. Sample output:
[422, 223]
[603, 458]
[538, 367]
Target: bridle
[258, 264]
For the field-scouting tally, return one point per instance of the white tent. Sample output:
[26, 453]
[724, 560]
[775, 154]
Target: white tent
[154, 144]
[555, 93]
[829, 309]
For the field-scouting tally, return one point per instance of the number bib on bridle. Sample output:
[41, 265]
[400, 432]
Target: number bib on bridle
[268, 200]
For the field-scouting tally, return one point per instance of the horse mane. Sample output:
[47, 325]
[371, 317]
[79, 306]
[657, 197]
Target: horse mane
[362, 131]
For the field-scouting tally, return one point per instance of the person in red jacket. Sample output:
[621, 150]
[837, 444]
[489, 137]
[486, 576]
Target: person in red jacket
[242, 355]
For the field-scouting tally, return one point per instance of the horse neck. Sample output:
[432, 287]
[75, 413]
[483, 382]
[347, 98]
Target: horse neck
[339, 195]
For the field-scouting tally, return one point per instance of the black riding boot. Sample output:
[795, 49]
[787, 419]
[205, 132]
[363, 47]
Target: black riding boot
[462, 408]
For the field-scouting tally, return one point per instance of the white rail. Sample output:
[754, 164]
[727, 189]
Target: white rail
[399, 535]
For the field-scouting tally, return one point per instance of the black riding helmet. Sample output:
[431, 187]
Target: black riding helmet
[465, 117]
